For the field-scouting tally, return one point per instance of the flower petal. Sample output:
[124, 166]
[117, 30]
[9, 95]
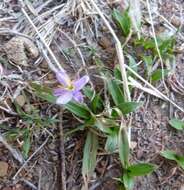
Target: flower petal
[80, 83]
[78, 97]
[63, 78]
[59, 91]
[65, 97]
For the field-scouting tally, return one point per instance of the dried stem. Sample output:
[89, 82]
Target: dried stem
[62, 153]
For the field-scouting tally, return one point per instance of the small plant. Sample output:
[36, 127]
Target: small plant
[123, 20]
[30, 122]
[171, 155]
[177, 124]
[97, 119]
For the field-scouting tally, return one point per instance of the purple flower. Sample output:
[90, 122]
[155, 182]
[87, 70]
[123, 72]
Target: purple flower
[69, 89]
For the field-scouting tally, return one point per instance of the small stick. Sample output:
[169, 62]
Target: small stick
[13, 151]
[131, 70]
[26, 162]
[41, 38]
[120, 58]
[153, 88]
[62, 153]
[156, 44]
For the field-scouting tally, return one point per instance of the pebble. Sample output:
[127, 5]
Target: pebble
[176, 21]
[52, 146]
[20, 100]
[50, 76]
[44, 65]
[3, 168]
[28, 108]
[133, 144]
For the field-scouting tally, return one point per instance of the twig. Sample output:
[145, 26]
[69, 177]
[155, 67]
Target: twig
[26, 162]
[156, 44]
[130, 69]
[13, 151]
[120, 57]
[62, 153]
[28, 183]
[41, 38]
[153, 88]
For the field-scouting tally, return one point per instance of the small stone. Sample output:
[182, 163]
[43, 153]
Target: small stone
[52, 146]
[133, 144]
[28, 108]
[44, 65]
[105, 43]
[55, 158]
[20, 100]
[50, 76]
[3, 168]
[176, 21]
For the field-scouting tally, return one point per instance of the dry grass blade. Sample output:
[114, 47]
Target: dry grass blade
[138, 85]
[42, 40]
[156, 43]
[131, 70]
[27, 161]
[62, 154]
[120, 58]
[14, 152]
[155, 89]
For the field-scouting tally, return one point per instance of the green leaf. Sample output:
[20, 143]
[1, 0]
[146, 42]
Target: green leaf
[132, 63]
[148, 60]
[128, 107]
[115, 91]
[177, 124]
[79, 110]
[116, 113]
[43, 92]
[128, 181]
[123, 147]
[123, 20]
[89, 154]
[171, 155]
[112, 142]
[97, 103]
[88, 92]
[117, 73]
[166, 46]
[140, 169]
[27, 143]
[157, 75]
[106, 125]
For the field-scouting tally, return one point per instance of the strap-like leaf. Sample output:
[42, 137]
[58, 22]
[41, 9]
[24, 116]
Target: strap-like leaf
[140, 169]
[79, 110]
[127, 107]
[89, 154]
[115, 91]
[123, 147]
[177, 124]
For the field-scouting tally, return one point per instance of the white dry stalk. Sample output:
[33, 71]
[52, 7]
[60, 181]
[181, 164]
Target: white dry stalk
[138, 85]
[156, 43]
[121, 60]
[135, 15]
[42, 40]
[123, 66]
[13, 151]
[153, 88]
